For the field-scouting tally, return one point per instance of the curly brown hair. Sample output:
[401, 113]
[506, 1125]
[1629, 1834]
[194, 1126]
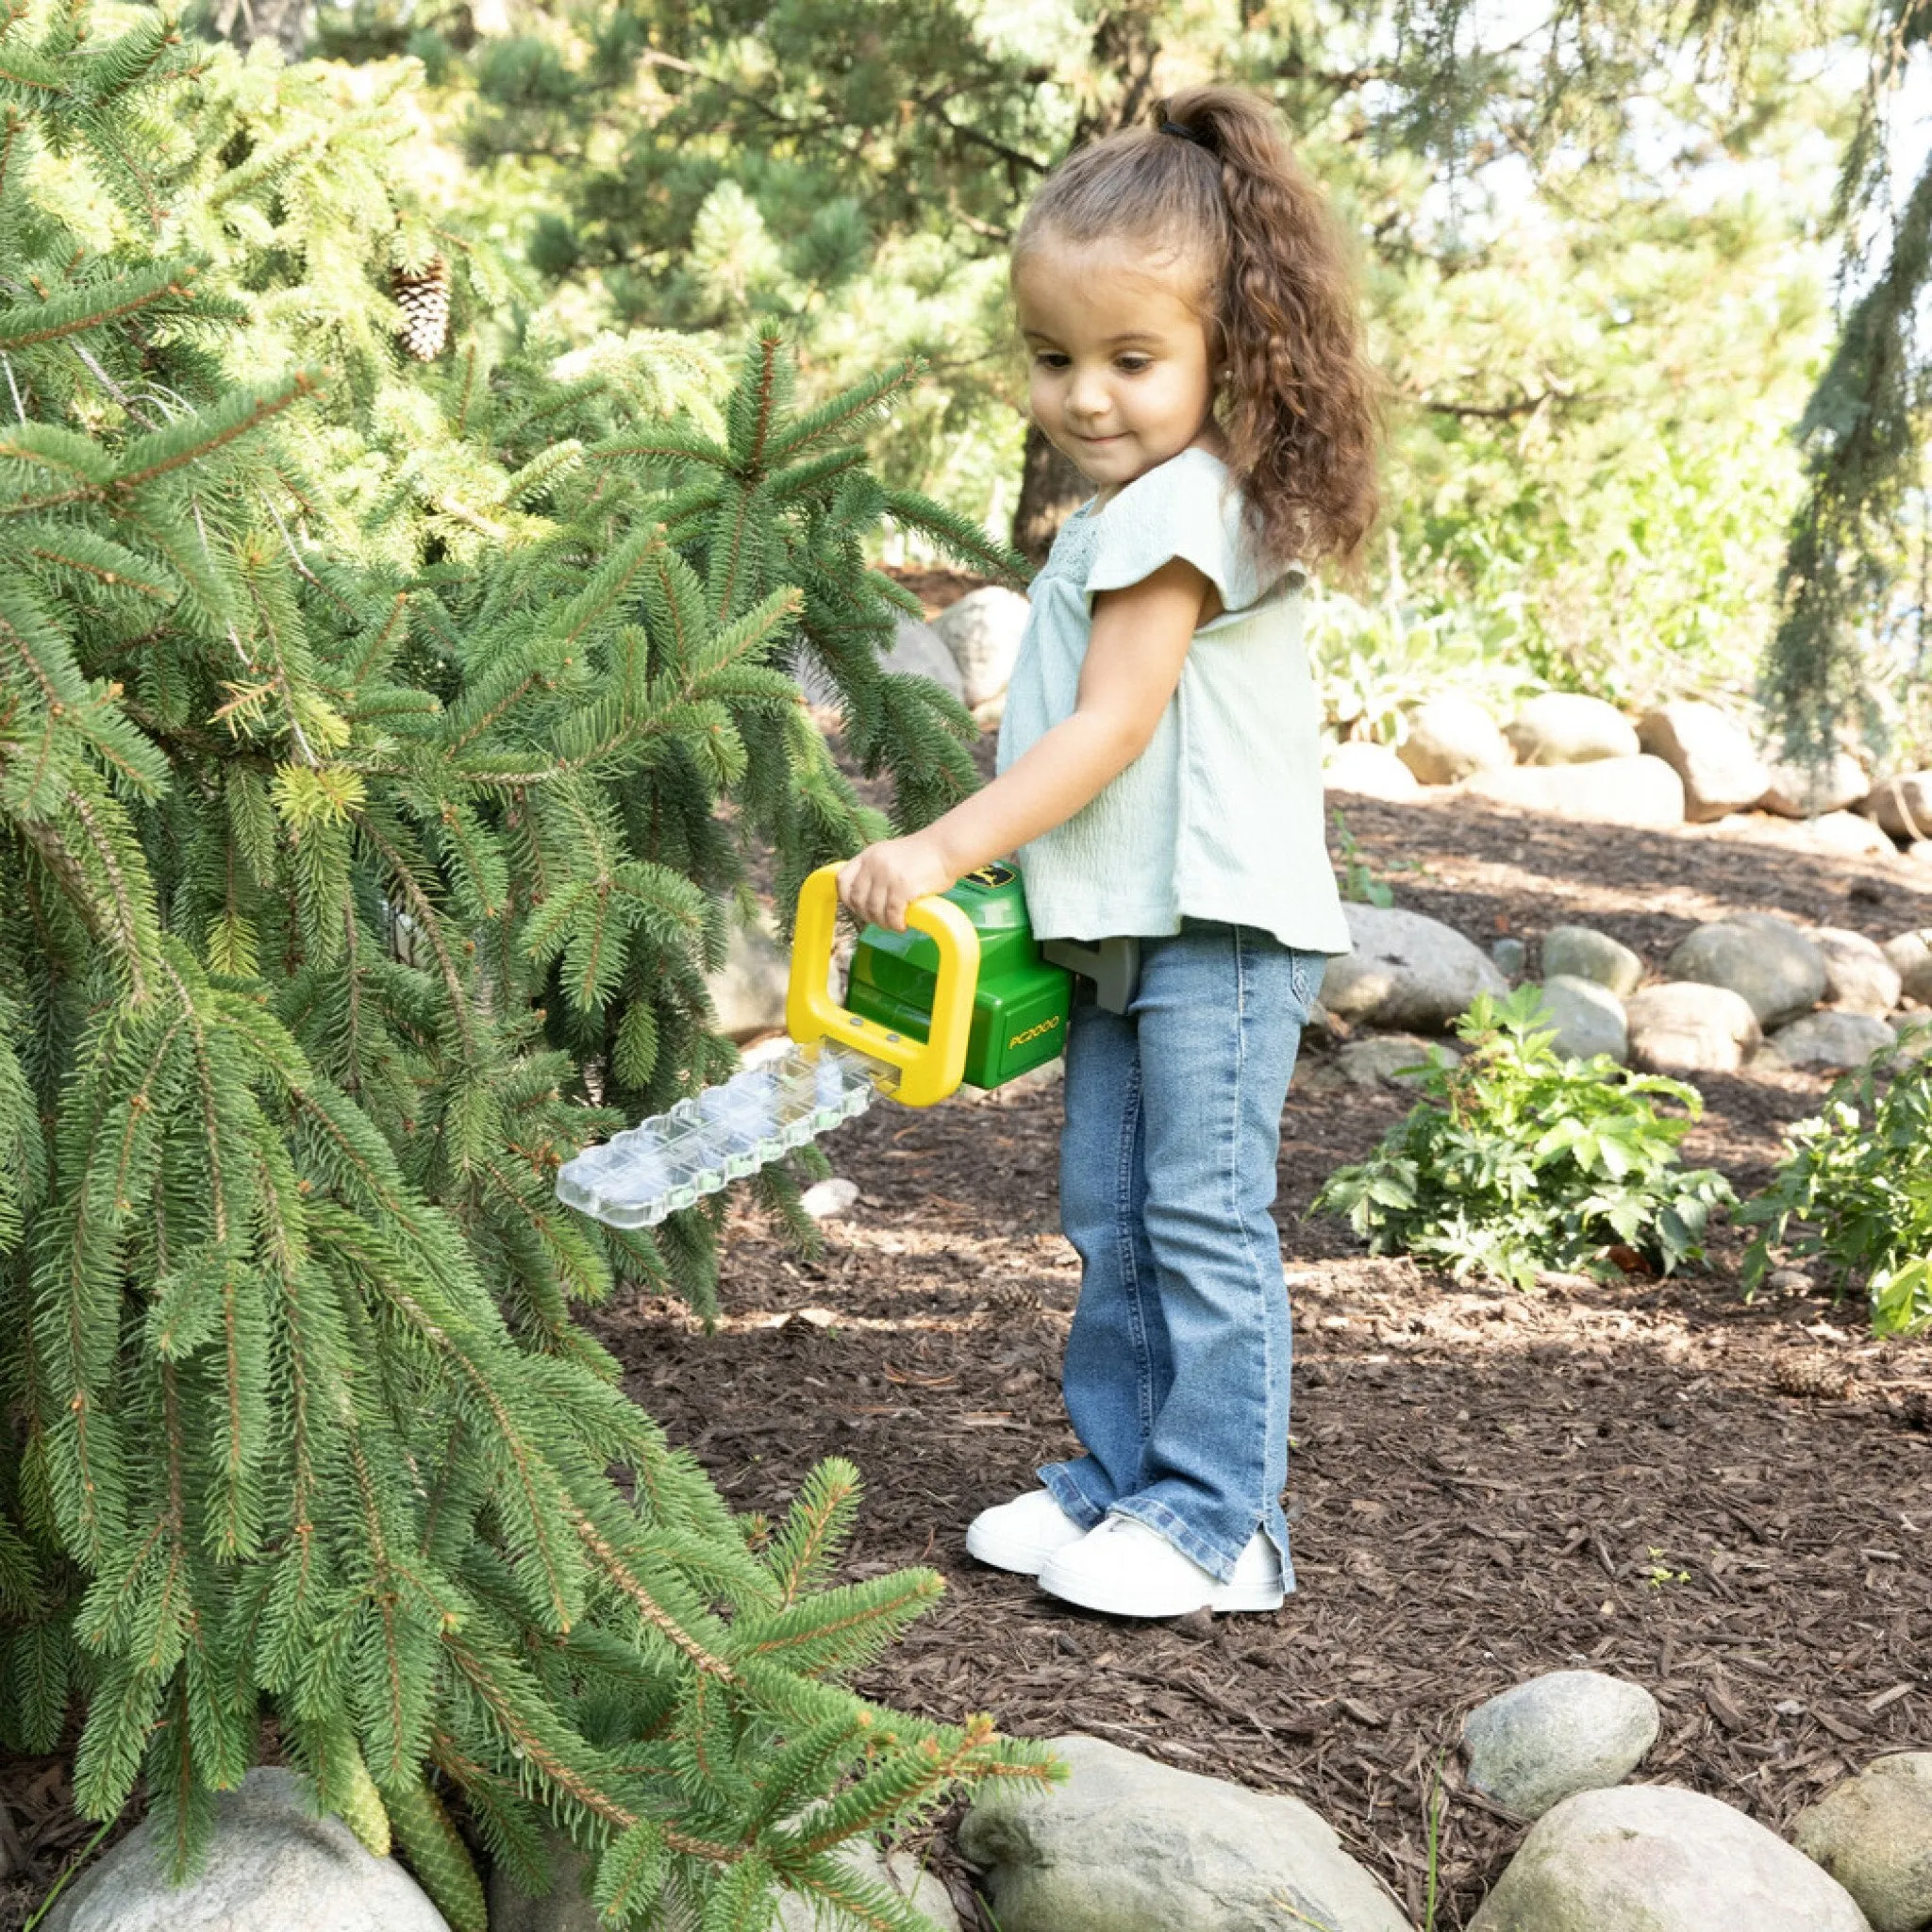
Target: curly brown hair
[1213, 180]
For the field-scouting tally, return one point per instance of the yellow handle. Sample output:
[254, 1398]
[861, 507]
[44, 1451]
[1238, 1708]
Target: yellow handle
[929, 1071]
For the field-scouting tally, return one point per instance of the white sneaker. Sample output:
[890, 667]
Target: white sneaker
[1128, 1570]
[1022, 1533]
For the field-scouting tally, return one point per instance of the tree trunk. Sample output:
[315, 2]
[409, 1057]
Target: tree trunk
[285, 22]
[1050, 491]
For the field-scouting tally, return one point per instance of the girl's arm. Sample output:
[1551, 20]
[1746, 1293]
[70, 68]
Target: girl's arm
[1133, 663]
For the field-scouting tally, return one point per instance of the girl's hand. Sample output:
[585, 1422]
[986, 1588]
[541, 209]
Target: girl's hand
[885, 878]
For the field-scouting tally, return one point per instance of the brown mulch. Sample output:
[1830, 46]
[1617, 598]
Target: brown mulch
[1484, 1485]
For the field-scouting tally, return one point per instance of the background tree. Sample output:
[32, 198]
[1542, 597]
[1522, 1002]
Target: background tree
[319, 808]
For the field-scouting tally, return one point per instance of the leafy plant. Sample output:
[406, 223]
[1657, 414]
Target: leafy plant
[1359, 885]
[1859, 1196]
[1518, 1160]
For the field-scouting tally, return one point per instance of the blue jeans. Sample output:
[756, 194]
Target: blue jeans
[1176, 1375]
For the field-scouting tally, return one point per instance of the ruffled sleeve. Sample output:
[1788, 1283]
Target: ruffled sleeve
[1184, 508]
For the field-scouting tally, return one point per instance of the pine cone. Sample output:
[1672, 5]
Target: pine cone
[1816, 1375]
[424, 299]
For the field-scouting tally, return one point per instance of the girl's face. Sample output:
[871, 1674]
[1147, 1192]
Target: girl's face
[1122, 375]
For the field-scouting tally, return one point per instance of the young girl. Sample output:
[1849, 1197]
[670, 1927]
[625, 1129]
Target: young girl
[1196, 354]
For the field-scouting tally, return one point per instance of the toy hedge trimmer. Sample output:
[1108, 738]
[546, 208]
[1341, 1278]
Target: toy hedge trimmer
[965, 996]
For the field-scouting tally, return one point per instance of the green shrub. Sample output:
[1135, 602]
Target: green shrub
[377, 748]
[1518, 1160]
[1859, 1197]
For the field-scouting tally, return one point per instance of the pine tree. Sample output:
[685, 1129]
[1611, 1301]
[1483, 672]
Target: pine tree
[327, 857]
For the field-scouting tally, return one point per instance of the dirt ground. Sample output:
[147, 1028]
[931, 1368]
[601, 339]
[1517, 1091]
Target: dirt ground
[1484, 1483]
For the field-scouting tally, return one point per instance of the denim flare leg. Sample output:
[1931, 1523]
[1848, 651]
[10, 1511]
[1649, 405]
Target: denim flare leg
[1176, 1375]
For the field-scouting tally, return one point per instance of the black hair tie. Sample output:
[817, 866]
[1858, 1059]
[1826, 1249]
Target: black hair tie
[1185, 132]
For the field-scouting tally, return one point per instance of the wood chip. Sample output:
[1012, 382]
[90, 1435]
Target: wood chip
[1874, 1704]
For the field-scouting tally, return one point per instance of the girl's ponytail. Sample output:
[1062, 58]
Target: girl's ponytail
[1302, 405]
[1212, 178]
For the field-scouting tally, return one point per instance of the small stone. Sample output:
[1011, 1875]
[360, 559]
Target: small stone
[1393, 1057]
[982, 631]
[1370, 771]
[1831, 1037]
[830, 1200]
[1690, 1027]
[1713, 755]
[1129, 1845]
[1804, 791]
[1789, 1281]
[1874, 1834]
[1580, 952]
[1766, 960]
[1920, 851]
[1450, 737]
[1857, 975]
[748, 991]
[1911, 954]
[270, 1862]
[1638, 790]
[1903, 805]
[1509, 955]
[1565, 1732]
[1564, 727]
[1406, 971]
[1658, 1858]
[1587, 1018]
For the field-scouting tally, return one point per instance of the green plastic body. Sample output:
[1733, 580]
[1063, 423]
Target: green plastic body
[1019, 1004]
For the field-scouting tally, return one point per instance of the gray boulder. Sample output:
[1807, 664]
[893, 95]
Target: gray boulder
[1686, 1027]
[1712, 753]
[1766, 960]
[1835, 1038]
[1565, 728]
[1372, 770]
[1589, 1017]
[1129, 1845]
[918, 650]
[1858, 978]
[1451, 736]
[1658, 1858]
[1564, 1732]
[748, 990]
[1405, 972]
[1874, 1834]
[897, 1871]
[1804, 791]
[1903, 805]
[983, 632]
[1580, 952]
[1911, 954]
[1387, 1057]
[270, 1863]
[567, 1906]
[1845, 835]
[1637, 791]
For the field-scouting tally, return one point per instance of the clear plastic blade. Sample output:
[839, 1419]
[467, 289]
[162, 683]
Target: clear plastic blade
[758, 1116]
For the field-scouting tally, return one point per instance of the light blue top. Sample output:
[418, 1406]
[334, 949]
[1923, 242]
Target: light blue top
[1221, 817]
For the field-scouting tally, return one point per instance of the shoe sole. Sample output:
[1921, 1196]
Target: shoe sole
[997, 1553]
[1228, 1598]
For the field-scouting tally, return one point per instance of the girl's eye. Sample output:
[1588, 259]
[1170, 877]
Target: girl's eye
[1133, 364]
[1051, 358]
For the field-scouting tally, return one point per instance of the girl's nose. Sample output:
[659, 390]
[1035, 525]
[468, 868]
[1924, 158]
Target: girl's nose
[1087, 393]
